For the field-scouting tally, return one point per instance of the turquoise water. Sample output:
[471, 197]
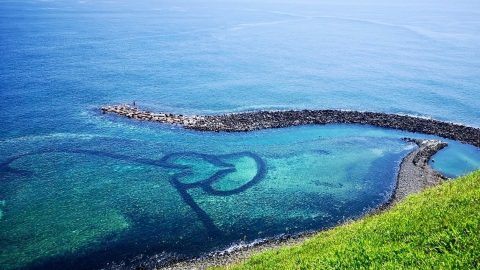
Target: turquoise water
[81, 190]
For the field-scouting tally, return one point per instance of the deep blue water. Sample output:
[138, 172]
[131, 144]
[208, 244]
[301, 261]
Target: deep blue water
[81, 190]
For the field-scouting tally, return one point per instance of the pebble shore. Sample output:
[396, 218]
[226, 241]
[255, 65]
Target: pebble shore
[248, 121]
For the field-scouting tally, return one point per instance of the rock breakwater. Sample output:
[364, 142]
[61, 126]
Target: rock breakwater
[248, 121]
[415, 174]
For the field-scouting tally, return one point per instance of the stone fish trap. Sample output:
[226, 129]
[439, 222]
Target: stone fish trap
[168, 161]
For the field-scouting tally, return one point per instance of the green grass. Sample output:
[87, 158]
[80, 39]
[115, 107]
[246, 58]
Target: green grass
[436, 229]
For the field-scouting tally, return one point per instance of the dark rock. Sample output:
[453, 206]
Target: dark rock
[248, 121]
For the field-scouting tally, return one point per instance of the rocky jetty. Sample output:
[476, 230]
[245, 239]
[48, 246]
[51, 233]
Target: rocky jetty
[249, 121]
[415, 174]
[168, 118]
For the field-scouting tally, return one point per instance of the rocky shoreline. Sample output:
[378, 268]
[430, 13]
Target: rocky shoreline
[414, 175]
[248, 121]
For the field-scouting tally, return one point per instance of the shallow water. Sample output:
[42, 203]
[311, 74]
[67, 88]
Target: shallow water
[81, 190]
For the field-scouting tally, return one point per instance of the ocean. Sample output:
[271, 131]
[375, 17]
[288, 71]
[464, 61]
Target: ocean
[83, 190]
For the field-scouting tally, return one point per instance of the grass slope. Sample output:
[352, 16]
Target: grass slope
[436, 229]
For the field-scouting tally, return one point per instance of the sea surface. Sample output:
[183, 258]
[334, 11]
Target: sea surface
[82, 190]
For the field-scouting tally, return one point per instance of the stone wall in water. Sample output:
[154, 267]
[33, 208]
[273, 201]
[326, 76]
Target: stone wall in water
[249, 121]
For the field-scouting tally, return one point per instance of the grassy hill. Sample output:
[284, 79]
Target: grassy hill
[436, 229]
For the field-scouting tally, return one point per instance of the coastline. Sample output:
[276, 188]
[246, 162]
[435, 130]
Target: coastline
[414, 175]
[249, 121]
